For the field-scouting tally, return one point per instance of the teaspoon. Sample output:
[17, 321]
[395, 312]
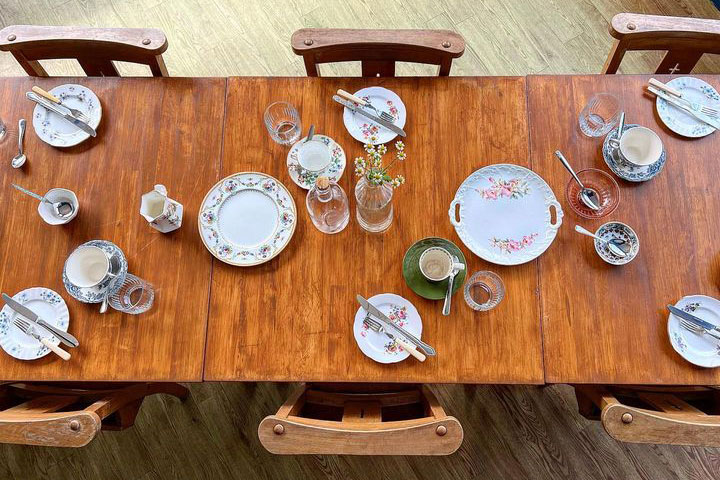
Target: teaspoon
[617, 246]
[456, 267]
[61, 209]
[588, 196]
[19, 159]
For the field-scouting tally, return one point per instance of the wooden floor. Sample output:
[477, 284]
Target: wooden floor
[510, 432]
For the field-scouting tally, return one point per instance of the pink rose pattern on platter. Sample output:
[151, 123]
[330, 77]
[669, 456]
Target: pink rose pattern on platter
[513, 188]
[398, 315]
[509, 245]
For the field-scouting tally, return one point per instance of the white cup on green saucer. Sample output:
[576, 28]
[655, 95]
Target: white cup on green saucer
[430, 281]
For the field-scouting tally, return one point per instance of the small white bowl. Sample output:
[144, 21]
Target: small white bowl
[58, 195]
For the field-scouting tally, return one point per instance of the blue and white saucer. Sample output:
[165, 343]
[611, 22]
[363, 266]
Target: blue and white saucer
[625, 170]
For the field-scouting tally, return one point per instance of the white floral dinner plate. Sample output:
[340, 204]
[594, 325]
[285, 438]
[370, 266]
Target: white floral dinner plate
[49, 306]
[694, 90]
[305, 179]
[54, 129]
[700, 350]
[247, 218]
[505, 214]
[365, 130]
[378, 346]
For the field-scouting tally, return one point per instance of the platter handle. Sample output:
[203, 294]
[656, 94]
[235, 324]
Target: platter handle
[451, 212]
[558, 214]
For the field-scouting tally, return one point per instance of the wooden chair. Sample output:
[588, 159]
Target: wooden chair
[684, 39]
[93, 48]
[357, 420]
[71, 415]
[378, 50]
[676, 416]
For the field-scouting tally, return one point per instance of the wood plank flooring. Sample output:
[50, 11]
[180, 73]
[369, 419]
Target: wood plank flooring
[510, 432]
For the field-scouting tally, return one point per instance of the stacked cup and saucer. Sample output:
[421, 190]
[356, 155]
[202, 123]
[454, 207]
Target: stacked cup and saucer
[311, 158]
[636, 155]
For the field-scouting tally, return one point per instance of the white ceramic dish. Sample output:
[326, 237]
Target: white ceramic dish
[505, 214]
[694, 90]
[333, 171]
[700, 350]
[49, 306]
[47, 212]
[58, 132]
[378, 346]
[247, 218]
[365, 130]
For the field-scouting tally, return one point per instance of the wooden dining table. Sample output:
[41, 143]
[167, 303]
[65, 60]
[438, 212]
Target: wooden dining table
[567, 317]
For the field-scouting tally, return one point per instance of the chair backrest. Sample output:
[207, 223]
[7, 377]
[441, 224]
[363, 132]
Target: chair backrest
[675, 416]
[684, 39]
[378, 50]
[327, 421]
[71, 416]
[95, 49]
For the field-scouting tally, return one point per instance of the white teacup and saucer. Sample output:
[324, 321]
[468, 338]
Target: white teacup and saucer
[307, 160]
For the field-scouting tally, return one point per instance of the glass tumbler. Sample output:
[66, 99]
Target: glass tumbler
[600, 115]
[484, 291]
[283, 123]
[134, 296]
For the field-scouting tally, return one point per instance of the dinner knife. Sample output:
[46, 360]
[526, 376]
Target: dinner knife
[57, 109]
[372, 310]
[374, 118]
[679, 104]
[64, 337]
[692, 319]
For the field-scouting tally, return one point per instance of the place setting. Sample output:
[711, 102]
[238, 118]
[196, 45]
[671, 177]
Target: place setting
[373, 115]
[66, 115]
[693, 327]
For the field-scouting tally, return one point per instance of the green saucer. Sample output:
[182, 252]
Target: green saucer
[415, 279]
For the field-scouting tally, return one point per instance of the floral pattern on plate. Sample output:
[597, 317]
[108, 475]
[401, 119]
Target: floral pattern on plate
[512, 188]
[625, 170]
[365, 130]
[49, 306]
[379, 346]
[275, 210]
[305, 179]
[509, 245]
[700, 350]
[58, 132]
[694, 90]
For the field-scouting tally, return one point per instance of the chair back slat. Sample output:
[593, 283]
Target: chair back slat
[377, 50]
[94, 48]
[684, 39]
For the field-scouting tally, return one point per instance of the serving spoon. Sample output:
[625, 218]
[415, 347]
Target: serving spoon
[61, 209]
[617, 246]
[588, 196]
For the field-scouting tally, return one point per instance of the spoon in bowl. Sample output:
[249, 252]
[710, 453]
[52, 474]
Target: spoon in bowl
[61, 209]
[588, 196]
[19, 159]
[617, 246]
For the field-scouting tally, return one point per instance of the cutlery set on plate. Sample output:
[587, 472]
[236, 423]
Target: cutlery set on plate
[54, 104]
[359, 105]
[700, 111]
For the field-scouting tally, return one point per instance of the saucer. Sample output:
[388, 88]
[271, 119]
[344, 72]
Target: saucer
[378, 346]
[365, 130]
[49, 306]
[625, 170]
[694, 90]
[333, 171]
[417, 281]
[612, 230]
[97, 293]
[700, 350]
[54, 129]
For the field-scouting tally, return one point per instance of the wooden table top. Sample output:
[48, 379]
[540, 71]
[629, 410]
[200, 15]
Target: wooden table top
[607, 324]
[153, 131]
[291, 319]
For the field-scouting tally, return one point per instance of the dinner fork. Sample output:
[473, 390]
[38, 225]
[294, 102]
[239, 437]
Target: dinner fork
[702, 108]
[28, 330]
[366, 103]
[698, 329]
[375, 326]
[74, 112]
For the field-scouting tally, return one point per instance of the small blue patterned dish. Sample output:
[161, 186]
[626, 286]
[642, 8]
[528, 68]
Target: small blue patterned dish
[694, 90]
[699, 349]
[611, 230]
[118, 265]
[49, 306]
[625, 170]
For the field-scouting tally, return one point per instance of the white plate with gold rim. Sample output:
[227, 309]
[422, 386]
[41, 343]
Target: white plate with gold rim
[247, 218]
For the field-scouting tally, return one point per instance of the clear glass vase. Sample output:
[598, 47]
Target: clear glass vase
[374, 205]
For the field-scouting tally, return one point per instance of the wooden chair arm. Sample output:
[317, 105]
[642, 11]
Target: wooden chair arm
[67, 429]
[296, 435]
[636, 31]
[325, 40]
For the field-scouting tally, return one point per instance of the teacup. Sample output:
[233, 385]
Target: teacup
[638, 146]
[313, 156]
[88, 266]
[436, 264]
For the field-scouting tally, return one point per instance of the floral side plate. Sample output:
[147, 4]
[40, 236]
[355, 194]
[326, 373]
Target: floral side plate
[378, 346]
[700, 350]
[365, 130]
[505, 214]
[625, 170]
[49, 306]
[694, 90]
[247, 219]
[54, 129]
[334, 171]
